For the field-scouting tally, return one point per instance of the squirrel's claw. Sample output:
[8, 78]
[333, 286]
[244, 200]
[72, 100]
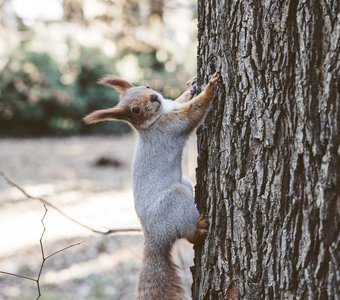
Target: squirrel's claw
[202, 222]
[194, 89]
[210, 88]
[198, 236]
[214, 78]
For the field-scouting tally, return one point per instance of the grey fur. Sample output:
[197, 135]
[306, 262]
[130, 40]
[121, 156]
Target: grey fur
[163, 198]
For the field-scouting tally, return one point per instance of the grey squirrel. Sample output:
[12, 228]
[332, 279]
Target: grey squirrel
[163, 197]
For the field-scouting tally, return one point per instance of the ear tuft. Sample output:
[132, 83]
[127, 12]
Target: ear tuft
[93, 118]
[117, 83]
[109, 114]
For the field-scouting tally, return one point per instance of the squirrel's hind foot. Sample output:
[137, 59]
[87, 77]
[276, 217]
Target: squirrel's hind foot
[198, 236]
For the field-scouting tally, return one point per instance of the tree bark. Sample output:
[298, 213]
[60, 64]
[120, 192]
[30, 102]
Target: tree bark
[268, 165]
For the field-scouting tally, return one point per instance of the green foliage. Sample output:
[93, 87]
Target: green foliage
[35, 100]
[89, 96]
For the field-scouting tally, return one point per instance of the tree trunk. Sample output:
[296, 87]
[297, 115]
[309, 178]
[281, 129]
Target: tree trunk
[268, 165]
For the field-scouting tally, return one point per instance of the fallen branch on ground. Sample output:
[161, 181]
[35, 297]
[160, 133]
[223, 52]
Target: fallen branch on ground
[45, 202]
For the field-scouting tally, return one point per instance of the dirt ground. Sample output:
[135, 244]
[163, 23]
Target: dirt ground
[64, 172]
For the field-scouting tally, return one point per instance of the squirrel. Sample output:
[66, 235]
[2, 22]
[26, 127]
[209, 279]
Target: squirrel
[164, 199]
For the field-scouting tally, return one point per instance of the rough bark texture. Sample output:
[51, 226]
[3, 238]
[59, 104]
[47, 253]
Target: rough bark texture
[268, 166]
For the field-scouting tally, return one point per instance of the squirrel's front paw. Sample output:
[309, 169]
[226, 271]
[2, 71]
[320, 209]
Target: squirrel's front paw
[210, 88]
[213, 80]
[194, 89]
[197, 237]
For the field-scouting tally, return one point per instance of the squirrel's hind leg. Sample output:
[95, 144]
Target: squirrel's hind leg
[197, 237]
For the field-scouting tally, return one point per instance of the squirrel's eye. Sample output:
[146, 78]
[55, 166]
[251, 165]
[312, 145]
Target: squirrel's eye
[147, 87]
[136, 110]
[153, 98]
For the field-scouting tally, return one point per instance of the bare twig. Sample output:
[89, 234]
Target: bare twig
[17, 275]
[42, 250]
[45, 202]
[44, 258]
[63, 249]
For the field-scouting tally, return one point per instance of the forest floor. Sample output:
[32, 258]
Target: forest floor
[89, 179]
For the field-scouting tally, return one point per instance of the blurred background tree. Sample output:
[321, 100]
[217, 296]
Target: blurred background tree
[52, 52]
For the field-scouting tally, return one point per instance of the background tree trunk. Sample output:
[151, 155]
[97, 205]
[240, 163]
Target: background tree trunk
[268, 166]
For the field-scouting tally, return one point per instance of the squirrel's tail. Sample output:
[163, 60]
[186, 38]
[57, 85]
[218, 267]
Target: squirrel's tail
[158, 278]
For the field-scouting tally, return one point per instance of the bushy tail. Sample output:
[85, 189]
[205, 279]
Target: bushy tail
[158, 278]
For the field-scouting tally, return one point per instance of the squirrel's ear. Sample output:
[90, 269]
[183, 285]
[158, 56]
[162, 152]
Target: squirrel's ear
[118, 113]
[118, 84]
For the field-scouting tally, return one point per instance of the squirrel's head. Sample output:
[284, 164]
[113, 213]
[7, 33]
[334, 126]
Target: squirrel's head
[138, 105]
